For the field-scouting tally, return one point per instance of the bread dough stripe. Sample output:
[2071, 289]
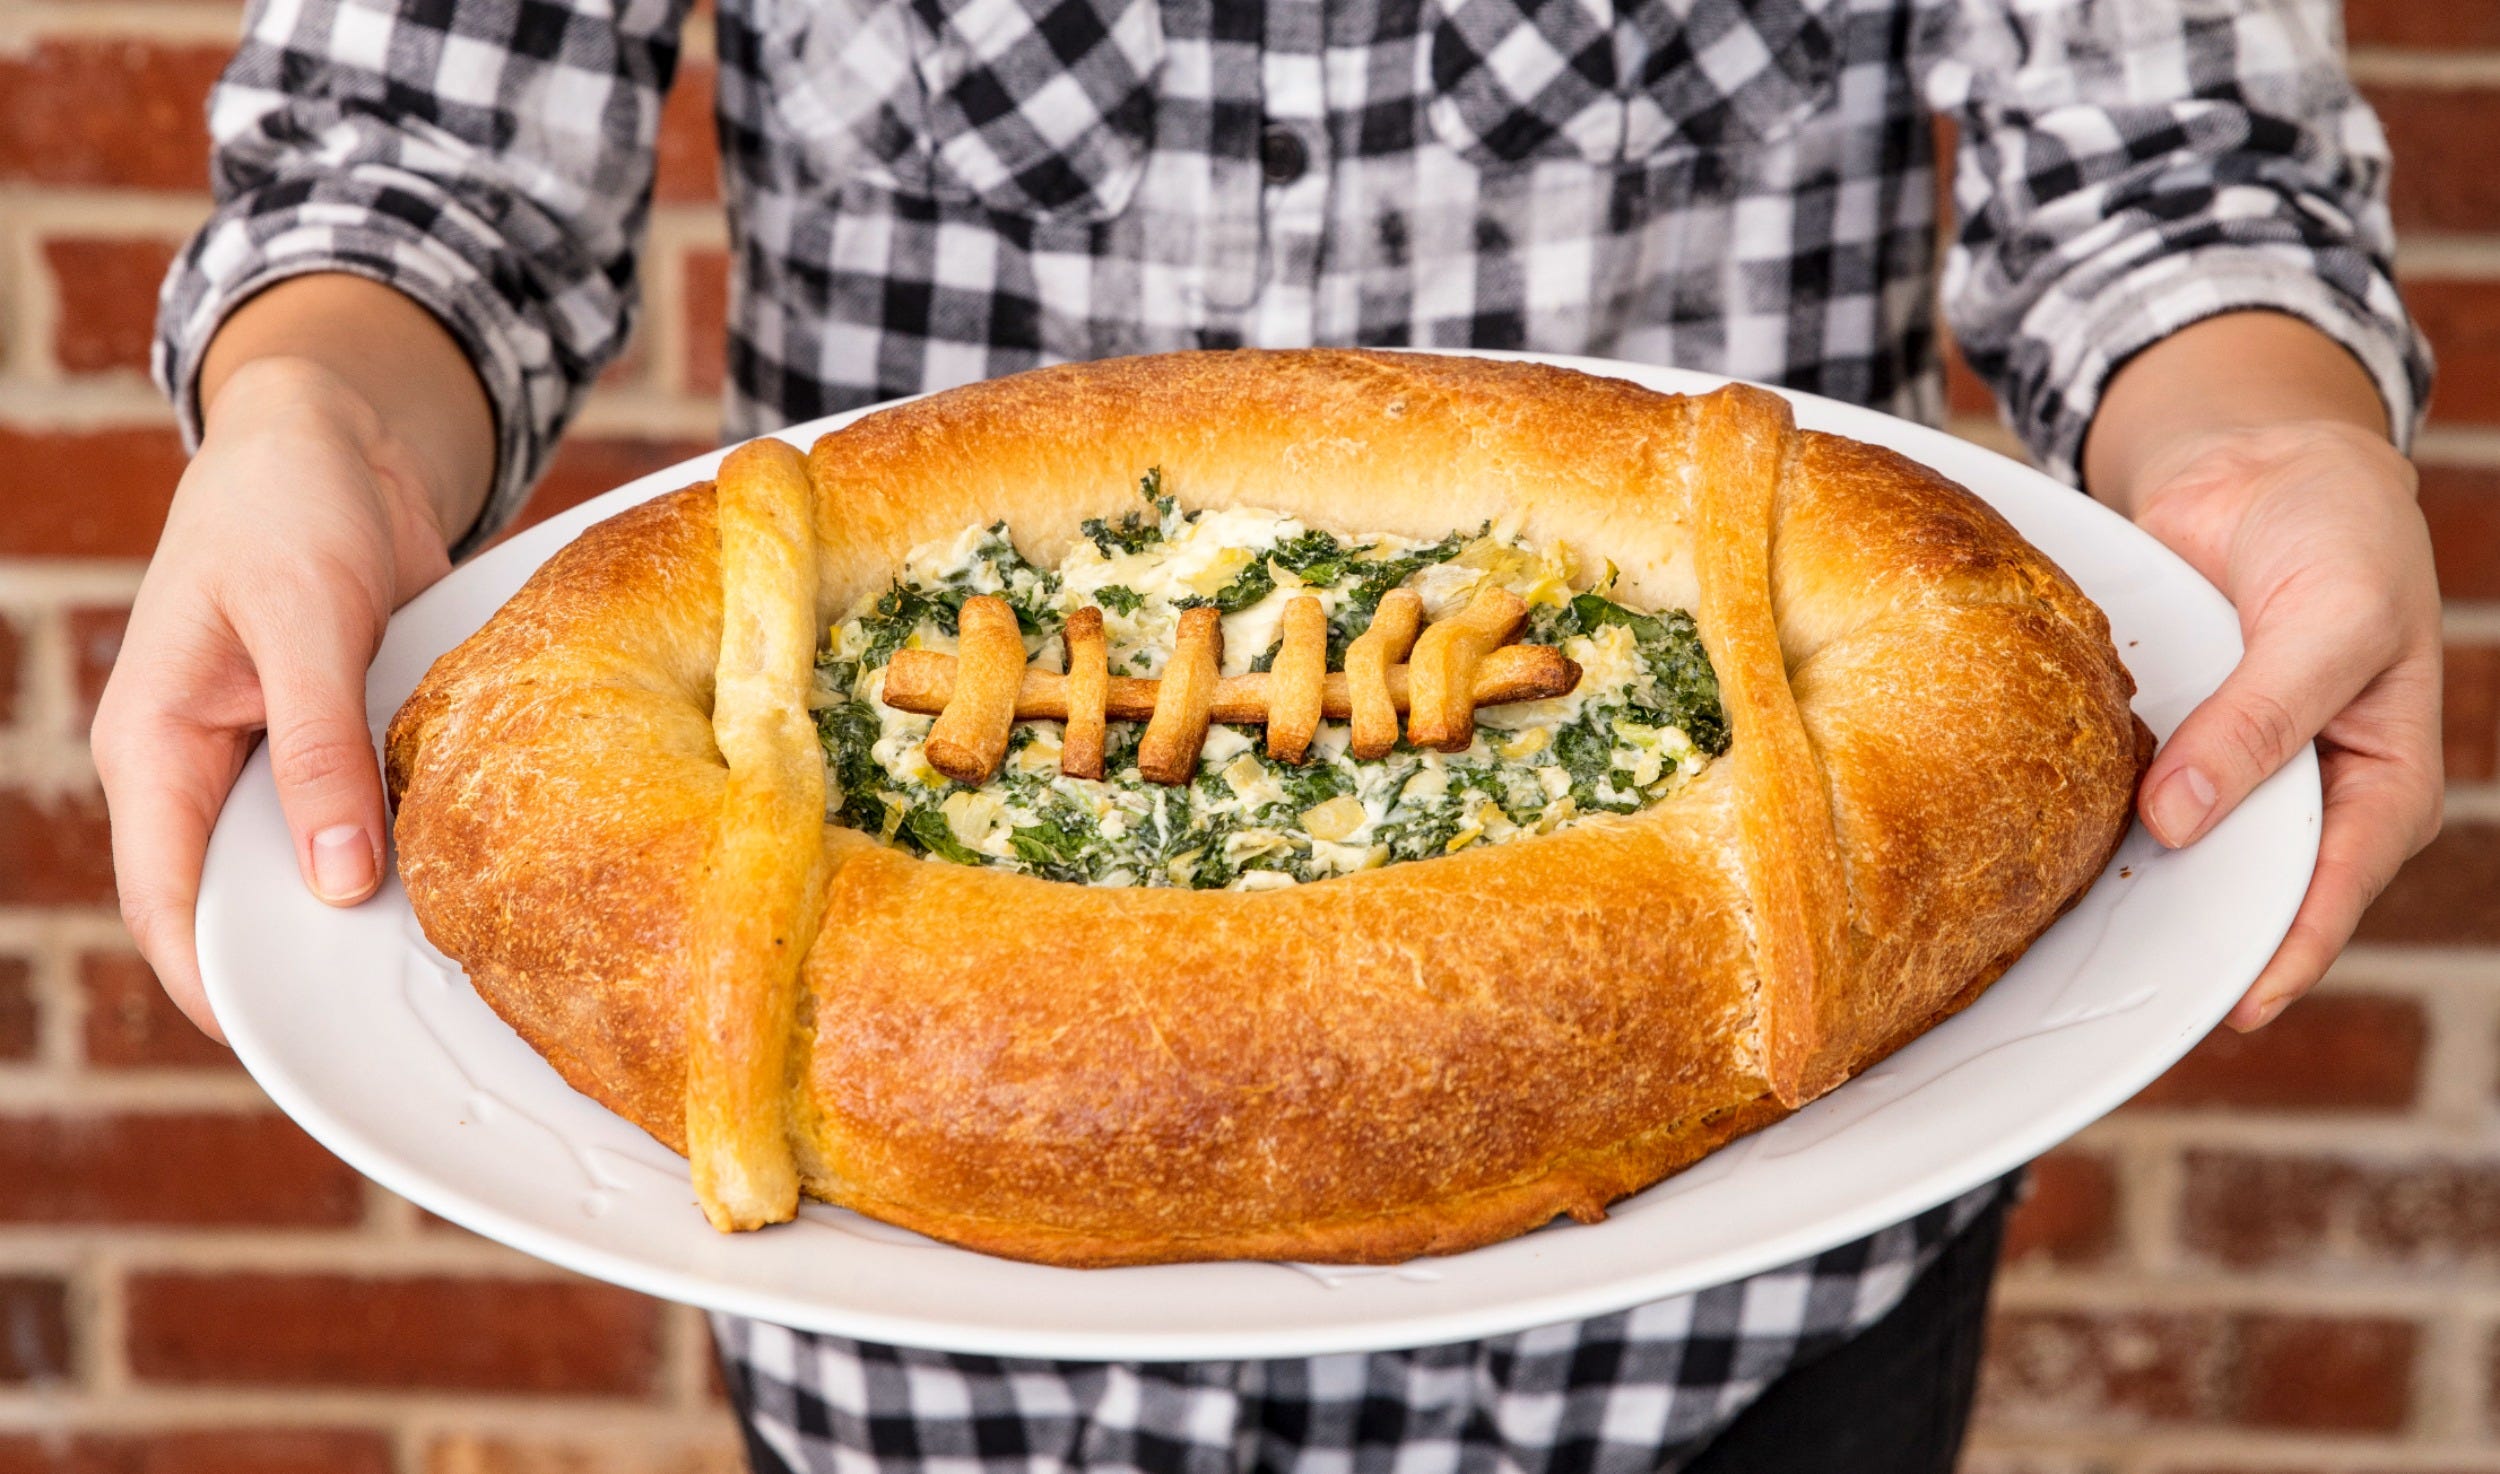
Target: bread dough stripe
[1371, 698]
[1082, 691]
[1168, 752]
[1297, 680]
[1743, 441]
[765, 881]
[969, 740]
[1441, 710]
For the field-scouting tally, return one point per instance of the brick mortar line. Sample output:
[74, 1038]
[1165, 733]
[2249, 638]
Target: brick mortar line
[2171, 1446]
[1990, 432]
[2442, 255]
[2461, 1060]
[691, 226]
[390, 1216]
[2463, 622]
[186, 22]
[2105, 1454]
[47, 766]
[29, 586]
[2380, 972]
[91, 1304]
[2375, 964]
[88, 402]
[663, 327]
[693, 1434]
[18, 289]
[2473, 803]
[70, 1092]
[2458, 445]
[61, 1018]
[61, 209]
[107, 1323]
[24, 928]
[2396, 66]
[2388, 1138]
[127, 401]
[117, 1251]
[2449, 1378]
[2150, 1179]
[46, 681]
[685, 1357]
[650, 414]
[695, 40]
[33, 359]
[2101, 1450]
[2354, 1292]
[438, 1412]
[675, 236]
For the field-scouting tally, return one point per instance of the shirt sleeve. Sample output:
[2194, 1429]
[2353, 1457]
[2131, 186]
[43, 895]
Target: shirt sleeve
[491, 159]
[2128, 167]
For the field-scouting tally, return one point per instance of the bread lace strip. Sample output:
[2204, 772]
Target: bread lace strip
[1441, 710]
[1371, 692]
[970, 737]
[1086, 693]
[1183, 699]
[763, 885]
[1297, 682]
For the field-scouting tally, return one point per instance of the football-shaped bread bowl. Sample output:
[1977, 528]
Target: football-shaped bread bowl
[1931, 756]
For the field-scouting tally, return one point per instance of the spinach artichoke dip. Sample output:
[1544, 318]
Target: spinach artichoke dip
[1644, 718]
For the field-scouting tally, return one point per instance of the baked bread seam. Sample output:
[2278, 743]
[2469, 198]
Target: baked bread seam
[764, 880]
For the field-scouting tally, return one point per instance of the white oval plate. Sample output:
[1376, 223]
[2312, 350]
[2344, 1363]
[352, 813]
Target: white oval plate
[369, 1038]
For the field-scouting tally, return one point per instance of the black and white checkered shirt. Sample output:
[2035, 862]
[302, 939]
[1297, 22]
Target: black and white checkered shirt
[926, 192]
[1631, 1393]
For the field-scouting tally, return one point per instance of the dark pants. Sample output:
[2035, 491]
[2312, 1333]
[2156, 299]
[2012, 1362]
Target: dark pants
[1891, 1400]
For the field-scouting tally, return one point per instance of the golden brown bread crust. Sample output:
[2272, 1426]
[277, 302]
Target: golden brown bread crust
[764, 876]
[1933, 758]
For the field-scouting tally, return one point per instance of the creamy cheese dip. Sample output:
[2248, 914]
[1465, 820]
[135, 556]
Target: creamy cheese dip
[1644, 718]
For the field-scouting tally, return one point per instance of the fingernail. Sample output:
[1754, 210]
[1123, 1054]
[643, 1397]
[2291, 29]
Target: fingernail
[2180, 805]
[342, 861]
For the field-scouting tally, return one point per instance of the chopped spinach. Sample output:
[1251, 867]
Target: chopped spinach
[848, 732]
[1377, 576]
[1120, 741]
[1135, 531]
[1315, 557]
[928, 826]
[1611, 756]
[1309, 787]
[1248, 587]
[1056, 847]
[1586, 750]
[1420, 831]
[897, 616]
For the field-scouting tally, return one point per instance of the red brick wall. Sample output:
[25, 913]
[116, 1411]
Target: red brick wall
[2284, 1257]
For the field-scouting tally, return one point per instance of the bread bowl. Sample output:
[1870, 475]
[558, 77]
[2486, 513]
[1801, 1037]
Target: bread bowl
[1930, 756]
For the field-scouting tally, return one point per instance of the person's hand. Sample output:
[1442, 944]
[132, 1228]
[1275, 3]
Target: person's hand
[2312, 532]
[294, 533]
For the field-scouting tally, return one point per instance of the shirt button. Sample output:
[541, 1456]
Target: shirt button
[1282, 155]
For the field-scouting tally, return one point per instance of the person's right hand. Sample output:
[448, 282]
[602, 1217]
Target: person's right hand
[298, 528]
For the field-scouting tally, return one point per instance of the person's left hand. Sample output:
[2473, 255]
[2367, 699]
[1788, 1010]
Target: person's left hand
[2312, 532]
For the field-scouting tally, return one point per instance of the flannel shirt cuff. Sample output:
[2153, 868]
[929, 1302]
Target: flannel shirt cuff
[2142, 306]
[249, 249]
